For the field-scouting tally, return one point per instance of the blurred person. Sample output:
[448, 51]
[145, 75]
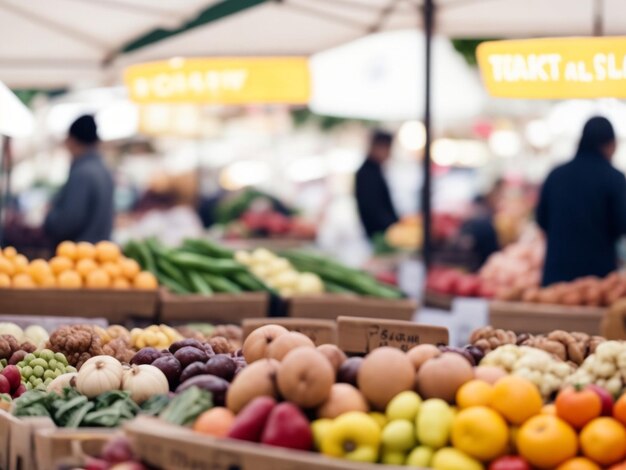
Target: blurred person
[582, 209]
[478, 234]
[373, 198]
[83, 209]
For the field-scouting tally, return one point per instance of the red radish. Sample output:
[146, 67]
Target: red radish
[5, 386]
[18, 392]
[12, 374]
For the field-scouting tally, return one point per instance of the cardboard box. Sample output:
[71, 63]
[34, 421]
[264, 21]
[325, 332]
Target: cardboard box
[117, 306]
[218, 308]
[55, 447]
[171, 447]
[320, 331]
[523, 317]
[331, 306]
[613, 324]
[362, 335]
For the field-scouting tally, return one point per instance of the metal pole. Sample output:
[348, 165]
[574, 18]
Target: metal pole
[428, 12]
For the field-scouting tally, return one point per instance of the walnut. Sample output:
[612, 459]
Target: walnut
[77, 342]
[28, 347]
[594, 342]
[220, 345]
[8, 345]
[187, 332]
[119, 349]
[488, 338]
[555, 348]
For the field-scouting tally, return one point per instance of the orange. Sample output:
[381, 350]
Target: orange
[603, 440]
[130, 267]
[474, 393]
[546, 441]
[6, 267]
[619, 466]
[578, 407]
[215, 422]
[67, 250]
[5, 280]
[107, 251]
[516, 399]
[120, 283]
[70, 280]
[549, 409]
[58, 264]
[145, 280]
[23, 281]
[85, 266]
[39, 270]
[619, 409]
[48, 281]
[9, 252]
[98, 279]
[20, 263]
[480, 432]
[578, 463]
[112, 269]
[85, 250]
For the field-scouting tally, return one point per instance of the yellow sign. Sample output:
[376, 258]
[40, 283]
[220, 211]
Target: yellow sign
[220, 81]
[554, 68]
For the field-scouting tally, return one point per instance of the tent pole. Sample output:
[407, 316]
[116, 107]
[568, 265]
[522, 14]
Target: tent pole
[428, 12]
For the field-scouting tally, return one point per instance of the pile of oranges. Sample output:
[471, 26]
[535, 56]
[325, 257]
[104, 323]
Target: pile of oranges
[76, 265]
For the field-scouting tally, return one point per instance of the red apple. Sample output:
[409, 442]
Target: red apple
[605, 398]
[12, 374]
[288, 427]
[5, 386]
[251, 420]
[19, 391]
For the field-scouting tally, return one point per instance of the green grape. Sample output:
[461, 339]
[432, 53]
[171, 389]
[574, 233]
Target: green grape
[29, 357]
[46, 354]
[52, 363]
[70, 369]
[27, 371]
[33, 380]
[21, 364]
[60, 357]
[28, 386]
[49, 374]
[38, 371]
[39, 363]
[58, 371]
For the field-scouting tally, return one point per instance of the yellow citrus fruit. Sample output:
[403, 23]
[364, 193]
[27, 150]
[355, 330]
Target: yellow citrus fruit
[474, 393]
[48, 281]
[603, 440]
[23, 281]
[10, 252]
[112, 269]
[6, 267]
[98, 279]
[85, 266]
[85, 250]
[107, 251]
[58, 264]
[67, 249]
[546, 441]
[145, 280]
[39, 270]
[20, 263]
[516, 399]
[130, 268]
[5, 280]
[480, 432]
[120, 283]
[578, 463]
[69, 280]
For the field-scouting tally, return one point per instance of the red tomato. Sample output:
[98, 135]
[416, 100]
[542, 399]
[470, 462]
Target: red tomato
[510, 462]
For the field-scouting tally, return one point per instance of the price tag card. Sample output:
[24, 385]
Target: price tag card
[469, 314]
[361, 335]
[319, 331]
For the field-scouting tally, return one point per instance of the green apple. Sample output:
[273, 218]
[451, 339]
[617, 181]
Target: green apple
[393, 458]
[434, 423]
[449, 458]
[319, 428]
[420, 457]
[404, 405]
[399, 436]
[354, 436]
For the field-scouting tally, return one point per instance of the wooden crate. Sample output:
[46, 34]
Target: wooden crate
[522, 317]
[438, 301]
[117, 306]
[217, 308]
[171, 447]
[55, 447]
[331, 306]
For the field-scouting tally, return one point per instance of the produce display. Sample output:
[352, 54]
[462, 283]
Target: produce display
[452, 281]
[76, 265]
[408, 232]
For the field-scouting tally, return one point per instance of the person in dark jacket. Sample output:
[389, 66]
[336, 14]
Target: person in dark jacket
[582, 209]
[83, 208]
[371, 190]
